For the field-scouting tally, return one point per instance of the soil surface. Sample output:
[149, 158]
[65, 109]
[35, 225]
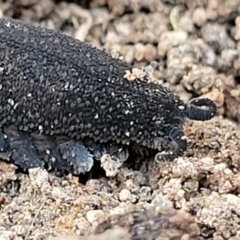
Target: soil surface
[197, 196]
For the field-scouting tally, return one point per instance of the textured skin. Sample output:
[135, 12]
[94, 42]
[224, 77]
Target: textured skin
[53, 84]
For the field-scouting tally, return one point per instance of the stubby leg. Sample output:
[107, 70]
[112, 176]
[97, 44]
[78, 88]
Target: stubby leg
[30, 150]
[21, 149]
[76, 155]
[111, 155]
[62, 154]
[179, 144]
[46, 149]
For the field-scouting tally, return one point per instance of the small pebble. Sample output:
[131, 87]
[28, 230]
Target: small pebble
[125, 195]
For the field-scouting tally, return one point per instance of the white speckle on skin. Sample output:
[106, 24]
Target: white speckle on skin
[10, 101]
[40, 128]
[66, 86]
[15, 106]
[181, 107]
[41, 78]
[8, 24]
[127, 134]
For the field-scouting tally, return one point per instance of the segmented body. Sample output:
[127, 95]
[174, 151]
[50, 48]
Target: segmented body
[54, 85]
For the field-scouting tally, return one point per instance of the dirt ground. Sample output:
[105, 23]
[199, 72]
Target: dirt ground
[197, 196]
